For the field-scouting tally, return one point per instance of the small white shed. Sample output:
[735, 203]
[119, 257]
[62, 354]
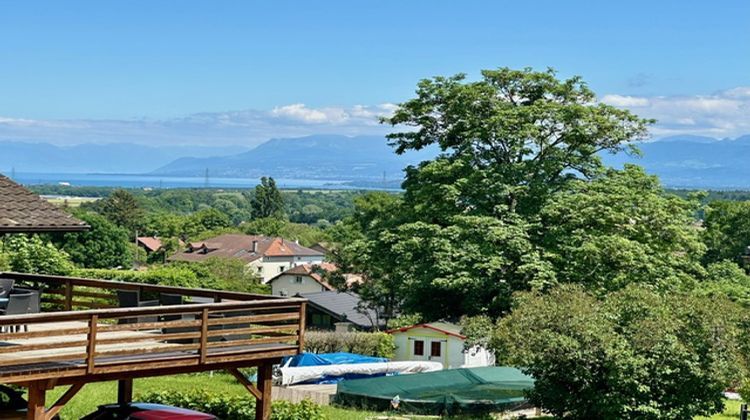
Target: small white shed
[438, 342]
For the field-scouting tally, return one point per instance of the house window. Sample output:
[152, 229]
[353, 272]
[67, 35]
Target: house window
[435, 349]
[418, 348]
[281, 269]
[298, 279]
[260, 269]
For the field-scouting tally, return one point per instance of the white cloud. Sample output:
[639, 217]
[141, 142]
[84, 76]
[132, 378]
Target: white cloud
[624, 101]
[722, 114]
[248, 127]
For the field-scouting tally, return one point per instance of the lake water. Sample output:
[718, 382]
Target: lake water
[147, 181]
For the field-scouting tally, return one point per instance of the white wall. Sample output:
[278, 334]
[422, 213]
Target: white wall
[453, 355]
[270, 267]
[290, 287]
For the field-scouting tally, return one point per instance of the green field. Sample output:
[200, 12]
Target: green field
[95, 394]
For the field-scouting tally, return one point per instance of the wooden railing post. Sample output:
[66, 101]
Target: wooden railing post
[91, 347]
[301, 330]
[204, 336]
[68, 295]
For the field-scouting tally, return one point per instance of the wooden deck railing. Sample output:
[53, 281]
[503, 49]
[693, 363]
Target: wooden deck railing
[87, 335]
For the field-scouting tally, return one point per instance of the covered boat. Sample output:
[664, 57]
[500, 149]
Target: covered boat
[330, 368]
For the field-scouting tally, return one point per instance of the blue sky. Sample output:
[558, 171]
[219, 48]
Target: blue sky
[106, 70]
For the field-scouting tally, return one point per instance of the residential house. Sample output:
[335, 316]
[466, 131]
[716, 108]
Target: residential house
[439, 342]
[304, 278]
[328, 308]
[265, 255]
[150, 244]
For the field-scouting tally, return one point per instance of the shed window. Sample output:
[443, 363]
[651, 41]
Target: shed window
[435, 349]
[418, 348]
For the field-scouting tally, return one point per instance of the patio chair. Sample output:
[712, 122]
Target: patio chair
[18, 304]
[132, 299]
[6, 285]
[34, 302]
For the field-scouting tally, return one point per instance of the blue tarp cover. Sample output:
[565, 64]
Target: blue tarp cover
[341, 358]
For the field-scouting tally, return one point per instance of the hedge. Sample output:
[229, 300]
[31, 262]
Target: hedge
[233, 407]
[369, 344]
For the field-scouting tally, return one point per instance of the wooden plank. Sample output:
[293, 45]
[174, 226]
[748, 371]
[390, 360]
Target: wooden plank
[68, 357]
[64, 399]
[204, 336]
[254, 330]
[301, 331]
[91, 350]
[251, 341]
[148, 350]
[254, 319]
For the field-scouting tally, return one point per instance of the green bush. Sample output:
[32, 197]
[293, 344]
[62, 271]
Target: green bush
[369, 344]
[233, 407]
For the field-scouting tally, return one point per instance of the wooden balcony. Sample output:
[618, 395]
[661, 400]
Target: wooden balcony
[82, 336]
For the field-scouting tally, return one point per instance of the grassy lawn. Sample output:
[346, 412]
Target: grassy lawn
[93, 395]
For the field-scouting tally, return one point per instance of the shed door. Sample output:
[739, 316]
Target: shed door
[436, 350]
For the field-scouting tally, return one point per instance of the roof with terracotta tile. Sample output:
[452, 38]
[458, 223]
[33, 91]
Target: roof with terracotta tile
[245, 247]
[151, 243]
[22, 211]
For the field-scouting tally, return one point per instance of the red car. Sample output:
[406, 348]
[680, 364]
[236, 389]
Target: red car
[146, 411]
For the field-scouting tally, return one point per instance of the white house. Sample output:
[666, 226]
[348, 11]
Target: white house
[438, 342]
[265, 255]
[301, 279]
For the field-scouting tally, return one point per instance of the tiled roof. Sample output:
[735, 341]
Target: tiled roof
[443, 327]
[342, 306]
[151, 243]
[241, 246]
[22, 211]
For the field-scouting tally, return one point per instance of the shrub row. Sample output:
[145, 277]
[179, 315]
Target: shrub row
[233, 407]
[369, 344]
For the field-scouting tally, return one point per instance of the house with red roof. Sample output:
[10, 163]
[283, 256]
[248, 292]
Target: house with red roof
[268, 256]
[441, 342]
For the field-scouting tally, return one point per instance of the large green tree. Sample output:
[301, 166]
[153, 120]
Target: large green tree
[635, 355]
[122, 209]
[267, 200]
[508, 139]
[464, 232]
[105, 245]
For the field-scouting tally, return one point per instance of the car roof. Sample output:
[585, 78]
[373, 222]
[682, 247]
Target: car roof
[147, 411]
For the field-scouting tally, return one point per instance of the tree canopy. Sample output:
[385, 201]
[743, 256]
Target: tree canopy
[267, 200]
[634, 354]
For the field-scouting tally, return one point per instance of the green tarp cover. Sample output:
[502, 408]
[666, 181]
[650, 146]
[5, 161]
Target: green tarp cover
[444, 392]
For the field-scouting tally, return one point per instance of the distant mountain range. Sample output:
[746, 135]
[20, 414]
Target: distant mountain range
[314, 157]
[694, 161]
[680, 161]
[98, 158]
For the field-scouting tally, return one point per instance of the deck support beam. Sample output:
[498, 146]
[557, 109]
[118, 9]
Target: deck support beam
[247, 384]
[125, 391]
[64, 399]
[265, 385]
[37, 400]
